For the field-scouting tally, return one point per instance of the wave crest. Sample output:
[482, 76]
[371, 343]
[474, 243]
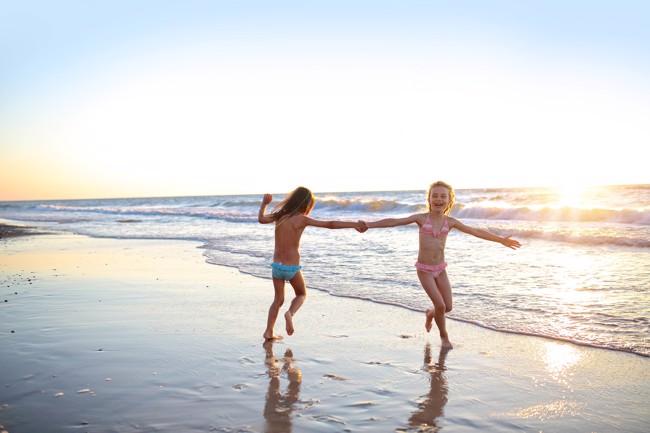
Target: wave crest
[367, 206]
[546, 214]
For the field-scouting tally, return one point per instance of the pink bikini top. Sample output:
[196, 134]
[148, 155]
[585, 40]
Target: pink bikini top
[428, 228]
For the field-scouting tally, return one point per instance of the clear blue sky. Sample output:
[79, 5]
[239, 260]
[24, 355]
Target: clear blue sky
[156, 98]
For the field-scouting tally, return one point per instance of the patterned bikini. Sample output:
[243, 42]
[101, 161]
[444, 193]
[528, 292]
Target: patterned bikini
[284, 272]
[427, 228]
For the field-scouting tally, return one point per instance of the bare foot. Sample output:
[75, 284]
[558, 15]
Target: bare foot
[272, 337]
[445, 343]
[289, 318]
[429, 313]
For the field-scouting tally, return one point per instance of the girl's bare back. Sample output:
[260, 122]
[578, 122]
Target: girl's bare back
[288, 232]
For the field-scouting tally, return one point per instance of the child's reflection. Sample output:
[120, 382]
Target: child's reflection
[279, 405]
[433, 404]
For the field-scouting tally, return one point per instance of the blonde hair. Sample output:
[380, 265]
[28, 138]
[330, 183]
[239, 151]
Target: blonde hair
[452, 195]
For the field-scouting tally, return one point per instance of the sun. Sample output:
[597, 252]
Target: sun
[574, 195]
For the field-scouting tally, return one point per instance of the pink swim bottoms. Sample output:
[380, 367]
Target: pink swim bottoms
[435, 270]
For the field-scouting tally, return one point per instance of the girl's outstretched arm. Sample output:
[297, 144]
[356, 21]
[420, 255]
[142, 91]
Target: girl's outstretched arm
[261, 216]
[360, 225]
[392, 222]
[484, 234]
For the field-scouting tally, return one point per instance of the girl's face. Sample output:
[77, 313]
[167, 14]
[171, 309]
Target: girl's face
[439, 198]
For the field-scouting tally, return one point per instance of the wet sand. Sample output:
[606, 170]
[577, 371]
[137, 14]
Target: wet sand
[105, 335]
[11, 231]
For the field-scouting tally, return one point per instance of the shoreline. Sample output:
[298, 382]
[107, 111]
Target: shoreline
[139, 335]
[601, 309]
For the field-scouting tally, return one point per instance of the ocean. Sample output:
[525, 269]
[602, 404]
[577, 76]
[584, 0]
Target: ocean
[582, 274]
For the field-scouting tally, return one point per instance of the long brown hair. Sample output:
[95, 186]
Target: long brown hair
[299, 201]
[452, 195]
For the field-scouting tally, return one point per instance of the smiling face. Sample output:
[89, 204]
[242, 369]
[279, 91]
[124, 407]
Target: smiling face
[441, 197]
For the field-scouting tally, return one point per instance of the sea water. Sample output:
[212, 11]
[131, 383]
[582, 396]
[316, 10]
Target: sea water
[582, 274]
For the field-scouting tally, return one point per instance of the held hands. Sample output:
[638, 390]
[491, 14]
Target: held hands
[361, 227]
[510, 243]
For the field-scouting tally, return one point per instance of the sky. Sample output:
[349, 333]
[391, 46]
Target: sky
[139, 98]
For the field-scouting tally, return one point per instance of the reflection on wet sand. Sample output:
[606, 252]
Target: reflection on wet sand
[279, 405]
[431, 408]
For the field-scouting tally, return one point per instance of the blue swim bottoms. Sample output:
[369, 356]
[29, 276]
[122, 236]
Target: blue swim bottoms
[284, 272]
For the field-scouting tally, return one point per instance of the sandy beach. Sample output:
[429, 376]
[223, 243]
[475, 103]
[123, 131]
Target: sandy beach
[107, 335]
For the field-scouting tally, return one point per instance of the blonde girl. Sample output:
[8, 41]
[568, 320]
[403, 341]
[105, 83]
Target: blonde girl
[435, 225]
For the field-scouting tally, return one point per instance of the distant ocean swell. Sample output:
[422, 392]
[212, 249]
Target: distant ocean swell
[636, 234]
[390, 208]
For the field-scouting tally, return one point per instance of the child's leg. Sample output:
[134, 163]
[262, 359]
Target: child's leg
[274, 309]
[444, 286]
[439, 307]
[298, 284]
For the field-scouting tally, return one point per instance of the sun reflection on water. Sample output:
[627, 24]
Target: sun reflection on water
[559, 360]
[553, 410]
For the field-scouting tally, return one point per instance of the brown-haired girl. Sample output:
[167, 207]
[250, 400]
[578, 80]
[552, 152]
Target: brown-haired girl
[290, 218]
